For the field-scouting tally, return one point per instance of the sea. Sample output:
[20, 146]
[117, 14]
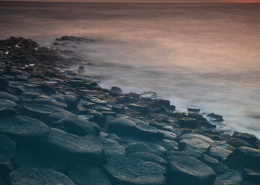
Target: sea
[195, 55]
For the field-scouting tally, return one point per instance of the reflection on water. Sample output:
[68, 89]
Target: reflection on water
[202, 55]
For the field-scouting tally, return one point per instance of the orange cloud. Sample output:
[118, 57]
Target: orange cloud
[249, 1]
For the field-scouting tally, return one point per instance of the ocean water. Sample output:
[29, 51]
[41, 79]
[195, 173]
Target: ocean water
[203, 55]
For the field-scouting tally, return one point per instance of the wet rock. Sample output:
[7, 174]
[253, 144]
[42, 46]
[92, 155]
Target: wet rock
[188, 123]
[124, 170]
[195, 142]
[139, 108]
[32, 176]
[219, 153]
[121, 125]
[7, 107]
[188, 170]
[119, 109]
[115, 91]
[8, 96]
[193, 109]
[74, 148]
[252, 175]
[215, 117]
[7, 148]
[243, 156]
[230, 177]
[251, 139]
[22, 128]
[86, 175]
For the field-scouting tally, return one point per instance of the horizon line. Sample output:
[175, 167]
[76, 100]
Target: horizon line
[30, 1]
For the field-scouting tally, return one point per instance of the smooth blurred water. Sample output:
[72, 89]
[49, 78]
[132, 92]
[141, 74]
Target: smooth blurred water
[204, 55]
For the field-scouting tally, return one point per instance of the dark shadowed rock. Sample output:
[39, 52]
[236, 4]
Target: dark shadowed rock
[8, 96]
[230, 177]
[46, 89]
[215, 117]
[145, 130]
[246, 137]
[74, 148]
[132, 171]
[243, 156]
[147, 156]
[252, 175]
[246, 183]
[119, 109]
[121, 125]
[7, 151]
[188, 123]
[7, 107]
[116, 91]
[139, 108]
[188, 170]
[141, 147]
[88, 175]
[23, 128]
[214, 164]
[168, 135]
[33, 176]
[3, 82]
[236, 142]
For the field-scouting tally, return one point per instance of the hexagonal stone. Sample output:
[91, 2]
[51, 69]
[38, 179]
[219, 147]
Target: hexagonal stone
[134, 171]
[185, 170]
[23, 127]
[33, 176]
[74, 148]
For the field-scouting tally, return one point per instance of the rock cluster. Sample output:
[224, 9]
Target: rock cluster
[56, 129]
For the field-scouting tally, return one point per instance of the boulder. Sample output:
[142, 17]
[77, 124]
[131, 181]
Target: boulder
[121, 125]
[115, 91]
[195, 142]
[214, 164]
[145, 130]
[141, 147]
[168, 135]
[119, 109]
[188, 123]
[33, 176]
[236, 142]
[86, 175]
[139, 108]
[23, 128]
[133, 171]
[74, 148]
[7, 107]
[147, 156]
[252, 175]
[188, 170]
[8, 96]
[230, 177]
[219, 153]
[249, 138]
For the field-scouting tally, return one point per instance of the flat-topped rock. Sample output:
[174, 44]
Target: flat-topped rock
[121, 125]
[168, 135]
[23, 128]
[86, 175]
[33, 176]
[74, 148]
[219, 153]
[230, 177]
[147, 156]
[132, 171]
[141, 147]
[188, 170]
[195, 142]
[8, 96]
[252, 175]
[7, 107]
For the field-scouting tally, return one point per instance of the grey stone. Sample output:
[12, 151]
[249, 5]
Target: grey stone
[219, 153]
[7, 107]
[8, 96]
[230, 177]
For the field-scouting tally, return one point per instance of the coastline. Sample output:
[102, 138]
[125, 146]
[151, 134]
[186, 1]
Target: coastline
[51, 113]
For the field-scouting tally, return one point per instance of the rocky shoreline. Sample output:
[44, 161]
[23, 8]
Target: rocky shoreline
[59, 129]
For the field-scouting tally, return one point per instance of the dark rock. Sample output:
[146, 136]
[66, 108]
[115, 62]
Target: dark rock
[164, 103]
[246, 183]
[188, 170]
[101, 108]
[71, 101]
[46, 89]
[144, 130]
[33, 176]
[243, 156]
[132, 171]
[49, 101]
[3, 82]
[246, 137]
[22, 128]
[188, 123]
[252, 175]
[87, 175]
[168, 135]
[127, 99]
[141, 147]
[139, 108]
[116, 91]
[7, 148]
[7, 107]
[215, 117]
[161, 126]
[147, 156]
[119, 109]
[230, 177]
[121, 125]
[214, 164]
[236, 142]
[184, 153]
[195, 142]
[219, 153]
[8, 96]
[74, 148]
[193, 109]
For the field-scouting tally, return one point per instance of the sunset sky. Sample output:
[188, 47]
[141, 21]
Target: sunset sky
[148, 1]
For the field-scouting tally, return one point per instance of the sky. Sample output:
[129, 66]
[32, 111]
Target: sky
[148, 1]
